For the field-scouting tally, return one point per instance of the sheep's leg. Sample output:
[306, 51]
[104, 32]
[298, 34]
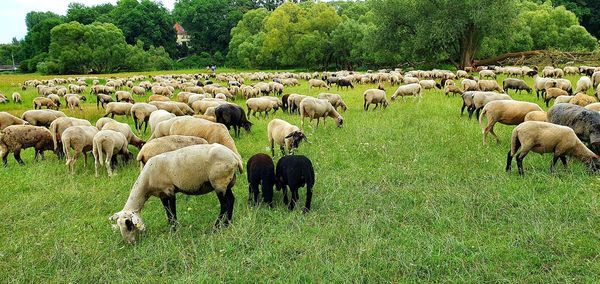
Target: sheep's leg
[508, 161]
[267, 192]
[5, 159]
[494, 133]
[254, 193]
[470, 110]
[553, 164]
[365, 106]
[282, 150]
[145, 125]
[520, 158]
[35, 156]
[294, 192]
[272, 147]
[308, 199]
[17, 155]
[563, 159]
[376, 105]
[169, 203]
[230, 202]
[224, 203]
[462, 109]
[85, 159]
[285, 197]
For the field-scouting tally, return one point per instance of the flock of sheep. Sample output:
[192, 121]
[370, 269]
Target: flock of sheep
[191, 150]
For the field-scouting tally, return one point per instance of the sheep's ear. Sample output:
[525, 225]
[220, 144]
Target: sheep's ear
[114, 216]
[290, 135]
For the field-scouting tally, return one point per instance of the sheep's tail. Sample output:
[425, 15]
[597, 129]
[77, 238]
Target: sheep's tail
[515, 142]
[483, 112]
[99, 150]
[53, 134]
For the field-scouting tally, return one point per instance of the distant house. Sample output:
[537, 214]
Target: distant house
[182, 37]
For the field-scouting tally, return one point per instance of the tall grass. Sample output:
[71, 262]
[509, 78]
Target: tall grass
[403, 194]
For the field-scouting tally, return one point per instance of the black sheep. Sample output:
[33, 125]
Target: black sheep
[585, 123]
[342, 82]
[232, 115]
[284, 102]
[294, 172]
[261, 171]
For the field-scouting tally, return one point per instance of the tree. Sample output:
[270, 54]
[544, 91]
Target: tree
[586, 11]
[440, 29]
[147, 21]
[246, 42]
[39, 25]
[209, 22]
[89, 14]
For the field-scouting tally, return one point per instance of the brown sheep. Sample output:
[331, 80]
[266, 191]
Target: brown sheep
[18, 137]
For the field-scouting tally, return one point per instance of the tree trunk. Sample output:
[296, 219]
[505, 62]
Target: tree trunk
[505, 56]
[467, 47]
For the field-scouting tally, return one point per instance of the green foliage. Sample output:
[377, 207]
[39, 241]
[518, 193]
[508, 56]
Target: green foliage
[209, 22]
[98, 48]
[39, 25]
[88, 14]
[586, 11]
[147, 21]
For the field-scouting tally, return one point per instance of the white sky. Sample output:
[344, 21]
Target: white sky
[12, 13]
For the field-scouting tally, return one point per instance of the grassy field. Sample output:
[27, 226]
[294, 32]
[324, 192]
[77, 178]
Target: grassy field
[408, 194]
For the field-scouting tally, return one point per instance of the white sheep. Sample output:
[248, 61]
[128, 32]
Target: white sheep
[507, 112]
[413, 89]
[7, 119]
[261, 105]
[41, 117]
[165, 144]
[80, 139]
[194, 170]
[316, 83]
[544, 137]
[107, 143]
[316, 108]
[288, 136]
[335, 100]
[158, 116]
[583, 85]
[374, 96]
[489, 85]
[16, 97]
[118, 108]
[563, 99]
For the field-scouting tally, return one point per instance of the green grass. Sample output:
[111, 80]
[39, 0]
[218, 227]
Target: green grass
[408, 194]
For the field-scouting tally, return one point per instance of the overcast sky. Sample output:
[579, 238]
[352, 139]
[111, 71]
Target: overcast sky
[12, 13]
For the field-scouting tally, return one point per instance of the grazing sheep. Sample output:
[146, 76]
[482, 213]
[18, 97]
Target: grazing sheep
[317, 108]
[428, 84]
[536, 116]
[452, 88]
[413, 89]
[480, 99]
[288, 136]
[261, 171]
[593, 106]
[585, 123]
[515, 84]
[16, 97]
[583, 85]
[374, 96]
[168, 106]
[334, 99]
[232, 115]
[137, 90]
[294, 102]
[40, 102]
[58, 126]
[124, 129]
[295, 172]
[118, 108]
[261, 105]
[582, 99]
[192, 170]
[80, 139]
[162, 128]
[124, 96]
[211, 131]
[141, 112]
[158, 98]
[158, 116]
[41, 117]
[74, 100]
[469, 85]
[467, 98]
[107, 143]
[565, 85]
[544, 137]
[166, 144]
[487, 74]
[201, 106]
[7, 119]
[563, 99]
[163, 91]
[102, 100]
[553, 93]
[284, 102]
[507, 112]
[343, 82]
[55, 98]
[316, 83]
[488, 86]
[15, 138]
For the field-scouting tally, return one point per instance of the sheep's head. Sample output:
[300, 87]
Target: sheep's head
[385, 104]
[247, 125]
[83, 98]
[296, 137]
[339, 121]
[130, 224]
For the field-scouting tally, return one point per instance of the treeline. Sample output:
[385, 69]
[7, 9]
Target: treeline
[137, 35]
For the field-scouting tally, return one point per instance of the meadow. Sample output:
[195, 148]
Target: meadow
[405, 194]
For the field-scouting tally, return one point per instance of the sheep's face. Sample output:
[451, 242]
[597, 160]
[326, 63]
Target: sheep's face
[339, 122]
[247, 126]
[296, 138]
[130, 224]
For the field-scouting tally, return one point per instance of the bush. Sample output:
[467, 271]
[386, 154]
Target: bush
[48, 67]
